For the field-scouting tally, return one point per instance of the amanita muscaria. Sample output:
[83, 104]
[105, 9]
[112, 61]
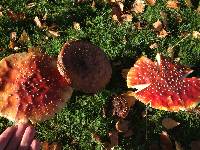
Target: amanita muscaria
[31, 87]
[163, 84]
[84, 65]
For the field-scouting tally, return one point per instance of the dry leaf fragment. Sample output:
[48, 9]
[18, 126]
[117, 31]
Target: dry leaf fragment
[138, 6]
[38, 22]
[55, 146]
[153, 46]
[76, 26]
[196, 34]
[178, 146]
[163, 33]
[158, 25]
[169, 123]
[138, 25]
[122, 125]
[96, 137]
[195, 145]
[13, 37]
[121, 6]
[127, 17]
[166, 143]
[54, 33]
[174, 4]
[116, 13]
[93, 5]
[151, 2]
[24, 37]
[16, 16]
[30, 5]
[188, 3]
[34, 49]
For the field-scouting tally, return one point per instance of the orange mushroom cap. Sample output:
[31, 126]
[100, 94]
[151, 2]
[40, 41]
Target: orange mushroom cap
[31, 87]
[85, 66]
[163, 84]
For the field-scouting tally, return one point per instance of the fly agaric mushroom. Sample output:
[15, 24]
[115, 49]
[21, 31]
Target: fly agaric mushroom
[163, 84]
[84, 65]
[31, 87]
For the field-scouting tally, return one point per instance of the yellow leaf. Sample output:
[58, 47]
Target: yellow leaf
[169, 123]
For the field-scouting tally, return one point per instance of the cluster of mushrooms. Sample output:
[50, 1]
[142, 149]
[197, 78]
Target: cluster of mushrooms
[34, 86]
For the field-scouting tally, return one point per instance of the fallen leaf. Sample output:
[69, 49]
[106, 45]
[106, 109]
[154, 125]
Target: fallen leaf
[158, 25]
[76, 26]
[45, 146]
[127, 17]
[138, 6]
[116, 13]
[13, 37]
[121, 6]
[153, 46]
[55, 146]
[35, 49]
[138, 25]
[195, 145]
[195, 34]
[122, 125]
[16, 16]
[169, 123]
[96, 137]
[166, 143]
[93, 5]
[24, 37]
[163, 33]
[151, 2]
[178, 146]
[124, 73]
[188, 3]
[54, 33]
[30, 5]
[38, 22]
[174, 4]
[1, 13]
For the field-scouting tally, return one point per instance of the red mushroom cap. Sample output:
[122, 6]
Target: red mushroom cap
[31, 87]
[85, 66]
[163, 84]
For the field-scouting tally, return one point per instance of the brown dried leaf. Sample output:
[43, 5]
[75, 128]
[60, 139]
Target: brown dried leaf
[124, 73]
[138, 6]
[127, 17]
[13, 37]
[16, 16]
[24, 37]
[163, 33]
[96, 137]
[54, 33]
[153, 46]
[195, 145]
[166, 143]
[38, 22]
[169, 123]
[76, 26]
[158, 25]
[122, 125]
[45, 146]
[178, 146]
[35, 49]
[55, 146]
[188, 3]
[174, 4]
[116, 13]
[195, 34]
[151, 2]
[138, 25]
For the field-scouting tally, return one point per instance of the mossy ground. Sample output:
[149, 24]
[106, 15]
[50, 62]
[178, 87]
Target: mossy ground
[123, 44]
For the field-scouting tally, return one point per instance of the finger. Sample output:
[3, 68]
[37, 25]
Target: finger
[6, 136]
[35, 145]
[16, 138]
[27, 138]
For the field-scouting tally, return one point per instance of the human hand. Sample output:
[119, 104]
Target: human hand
[20, 137]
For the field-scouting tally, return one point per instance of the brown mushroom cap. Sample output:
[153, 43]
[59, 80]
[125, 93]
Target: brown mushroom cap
[85, 66]
[31, 87]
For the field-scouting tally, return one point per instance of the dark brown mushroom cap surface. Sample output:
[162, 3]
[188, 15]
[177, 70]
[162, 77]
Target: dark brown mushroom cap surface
[85, 66]
[31, 87]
